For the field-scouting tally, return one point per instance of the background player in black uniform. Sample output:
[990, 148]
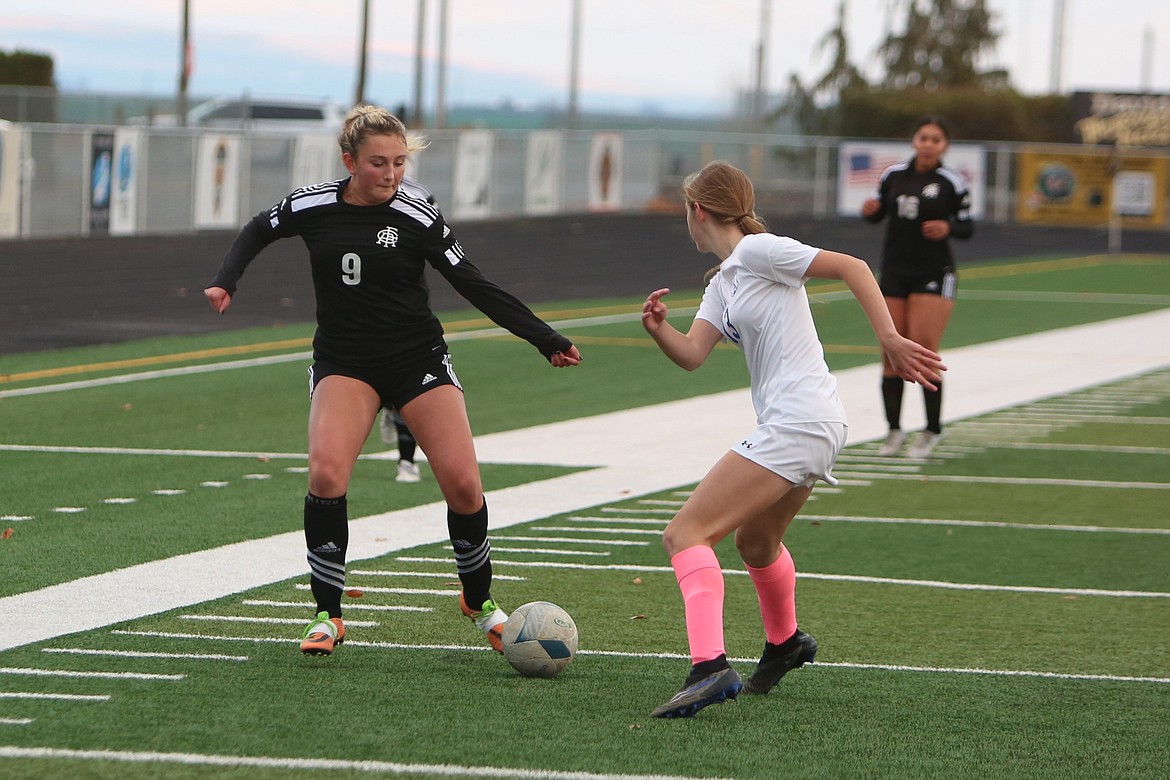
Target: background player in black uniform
[394, 430]
[927, 204]
[379, 344]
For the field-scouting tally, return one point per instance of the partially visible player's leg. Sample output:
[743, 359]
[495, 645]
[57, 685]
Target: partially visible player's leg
[927, 319]
[761, 539]
[341, 414]
[893, 386]
[394, 430]
[438, 419]
[735, 490]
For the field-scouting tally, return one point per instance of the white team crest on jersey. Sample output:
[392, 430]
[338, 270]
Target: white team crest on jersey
[446, 231]
[387, 236]
[930, 190]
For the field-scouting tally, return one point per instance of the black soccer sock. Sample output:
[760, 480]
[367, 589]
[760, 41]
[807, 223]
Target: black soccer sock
[473, 551]
[892, 387]
[326, 537]
[406, 442]
[772, 651]
[704, 668]
[933, 399]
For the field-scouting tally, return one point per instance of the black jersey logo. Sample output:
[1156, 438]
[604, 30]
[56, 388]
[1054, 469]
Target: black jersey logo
[931, 191]
[387, 236]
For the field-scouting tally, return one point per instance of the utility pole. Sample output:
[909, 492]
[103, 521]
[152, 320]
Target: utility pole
[761, 60]
[419, 63]
[184, 65]
[575, 66]
[441, 87]
[1054, 76]
[1146, 81]
[359, 96]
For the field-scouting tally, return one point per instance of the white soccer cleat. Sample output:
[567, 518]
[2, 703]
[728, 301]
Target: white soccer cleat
[408, 472]
[923, 445]
[893, 442]
[387, 429]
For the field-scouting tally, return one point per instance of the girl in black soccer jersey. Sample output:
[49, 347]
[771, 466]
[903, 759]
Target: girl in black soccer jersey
[927, 204]
[378, 344]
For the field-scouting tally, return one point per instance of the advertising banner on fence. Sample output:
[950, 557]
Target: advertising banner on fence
[124, 198]
[1084, 188]
[10, 141]
[860, 165]
[605, 172]
[1119, 118]
[473, 175]
[544, 165]
[217, 182]
[101, 177]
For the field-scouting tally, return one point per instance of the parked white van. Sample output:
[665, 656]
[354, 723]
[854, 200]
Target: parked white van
[250, 112]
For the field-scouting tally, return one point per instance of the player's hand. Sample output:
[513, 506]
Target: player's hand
[936, 229]
[218, 298]
[914, 362]
[870, 207]
[563, 359]
[654, 310]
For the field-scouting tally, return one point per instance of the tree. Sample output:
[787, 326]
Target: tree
[816, 109]
[940, 45]
[932, 66]
[26, 69]
[842, 75]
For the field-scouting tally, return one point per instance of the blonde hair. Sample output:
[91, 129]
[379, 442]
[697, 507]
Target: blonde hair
[365, 120]
[726, 193]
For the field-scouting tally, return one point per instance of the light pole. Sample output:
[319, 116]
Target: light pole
[441, 86]
[574, 65]
[1054, 76]
[360, 91]
[184, 65]
[761, 58]
[419, 61]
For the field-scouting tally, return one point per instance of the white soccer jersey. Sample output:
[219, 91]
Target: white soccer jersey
[758, 301]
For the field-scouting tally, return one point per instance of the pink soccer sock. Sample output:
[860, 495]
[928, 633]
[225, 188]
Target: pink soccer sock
[701, 581]
[776, 590]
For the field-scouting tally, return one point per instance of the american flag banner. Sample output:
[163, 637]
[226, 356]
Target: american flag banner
[860, 165]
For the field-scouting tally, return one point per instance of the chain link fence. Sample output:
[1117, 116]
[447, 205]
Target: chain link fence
[68, 180]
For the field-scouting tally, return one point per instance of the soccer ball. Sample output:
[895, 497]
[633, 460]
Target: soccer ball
[540, 639]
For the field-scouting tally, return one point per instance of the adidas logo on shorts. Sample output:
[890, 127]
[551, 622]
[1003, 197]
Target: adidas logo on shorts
[428, 379]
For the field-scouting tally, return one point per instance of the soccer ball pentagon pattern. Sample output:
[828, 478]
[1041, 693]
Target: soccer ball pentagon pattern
[540, 639]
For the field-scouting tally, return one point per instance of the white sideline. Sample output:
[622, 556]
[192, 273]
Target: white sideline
[632, 453]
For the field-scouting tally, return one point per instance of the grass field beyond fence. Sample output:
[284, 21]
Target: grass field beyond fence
[1001, 609]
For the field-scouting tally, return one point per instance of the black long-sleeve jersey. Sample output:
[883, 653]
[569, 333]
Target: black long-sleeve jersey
[373, 307]
[910, 198]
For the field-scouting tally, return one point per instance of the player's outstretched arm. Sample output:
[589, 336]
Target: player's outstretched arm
[689, 350]
[912, 361]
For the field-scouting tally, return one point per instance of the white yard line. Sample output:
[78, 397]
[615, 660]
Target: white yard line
[309, 765]
[632, 452]
[670, 657]
[940, 584]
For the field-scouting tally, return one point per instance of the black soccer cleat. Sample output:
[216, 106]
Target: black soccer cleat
[779, 660]
[723, 685]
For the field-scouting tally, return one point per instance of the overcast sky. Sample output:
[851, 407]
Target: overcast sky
[678, 56]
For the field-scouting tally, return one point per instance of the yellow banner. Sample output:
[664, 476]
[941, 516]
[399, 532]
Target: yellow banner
[1086, 187]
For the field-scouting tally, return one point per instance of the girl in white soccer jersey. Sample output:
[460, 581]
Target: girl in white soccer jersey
[756, 299]
[378, 344]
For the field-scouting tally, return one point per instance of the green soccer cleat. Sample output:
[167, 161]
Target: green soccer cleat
[490, 620]
[322, 634]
